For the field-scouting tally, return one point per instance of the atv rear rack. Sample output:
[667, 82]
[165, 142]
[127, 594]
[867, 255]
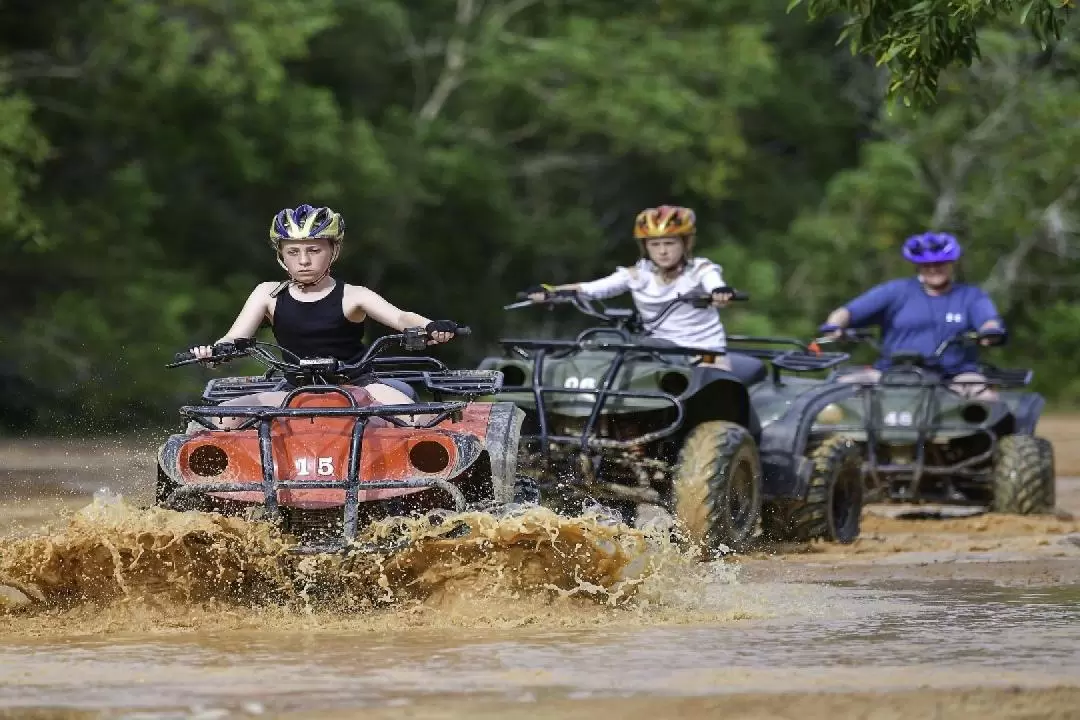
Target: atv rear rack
[351, 484]
[799, 359]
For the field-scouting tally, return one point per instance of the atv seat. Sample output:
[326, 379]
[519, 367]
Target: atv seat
[750, 370]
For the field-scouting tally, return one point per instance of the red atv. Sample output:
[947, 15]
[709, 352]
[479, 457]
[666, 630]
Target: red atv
[329, 460]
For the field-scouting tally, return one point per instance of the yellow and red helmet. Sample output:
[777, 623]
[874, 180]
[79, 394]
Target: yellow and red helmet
[665, 221]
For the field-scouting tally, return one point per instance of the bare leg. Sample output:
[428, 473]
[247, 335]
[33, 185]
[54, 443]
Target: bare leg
[862, 375]
[973, 385]
[386, 395]
[720, 362]
[270, 398]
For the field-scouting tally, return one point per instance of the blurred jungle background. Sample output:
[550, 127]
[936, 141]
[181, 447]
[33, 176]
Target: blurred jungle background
[476, 147]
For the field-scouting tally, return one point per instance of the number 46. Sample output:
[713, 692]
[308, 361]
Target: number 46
[325, 466]
[903, 419]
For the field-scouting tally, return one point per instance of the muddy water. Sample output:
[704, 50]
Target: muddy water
[147, 614]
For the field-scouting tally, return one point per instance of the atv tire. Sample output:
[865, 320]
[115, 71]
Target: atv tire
[164, 488]
[717, 486]
[1049, 472]
[833, 505]
[1018, 478]
[526, 490]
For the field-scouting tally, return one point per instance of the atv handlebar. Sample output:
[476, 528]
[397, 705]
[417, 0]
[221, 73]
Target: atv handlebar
[626, 319]
[412, 339]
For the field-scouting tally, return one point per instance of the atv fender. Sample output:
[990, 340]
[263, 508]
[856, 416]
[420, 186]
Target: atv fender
[501, 441]
[783, 443]
[1027, 413]
[719, 395]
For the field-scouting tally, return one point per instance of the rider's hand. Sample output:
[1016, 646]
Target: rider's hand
[992, 336]
[204, 353]
[832, 332]
[721, 298]
[440, 331]
[540, 293]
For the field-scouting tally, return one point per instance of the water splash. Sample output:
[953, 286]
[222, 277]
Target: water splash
[531, 560]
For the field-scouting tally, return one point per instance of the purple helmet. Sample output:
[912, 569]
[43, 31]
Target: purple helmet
[932, 247]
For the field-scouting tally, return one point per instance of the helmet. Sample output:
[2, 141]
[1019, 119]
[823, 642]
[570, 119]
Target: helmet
[307, 223]
[932, 247]
[665, 221]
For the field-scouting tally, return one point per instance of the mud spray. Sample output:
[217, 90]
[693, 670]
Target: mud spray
[114, 567]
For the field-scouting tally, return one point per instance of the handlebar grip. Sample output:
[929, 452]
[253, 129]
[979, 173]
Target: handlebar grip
[184, 356]
[522, 296]
[740, 296]
[463, 330]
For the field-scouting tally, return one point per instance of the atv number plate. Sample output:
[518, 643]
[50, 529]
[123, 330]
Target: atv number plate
[322, 466]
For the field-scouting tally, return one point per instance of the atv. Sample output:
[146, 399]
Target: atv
[926, 443]
[323, 465]
[653, 429]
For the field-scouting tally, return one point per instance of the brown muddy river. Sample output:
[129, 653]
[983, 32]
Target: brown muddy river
[118, 612]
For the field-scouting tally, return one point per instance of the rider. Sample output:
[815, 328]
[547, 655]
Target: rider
[918, 314]
[314, 315]
[667, 269]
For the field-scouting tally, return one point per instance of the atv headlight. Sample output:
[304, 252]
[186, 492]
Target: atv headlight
[208, 461]
[831, 414]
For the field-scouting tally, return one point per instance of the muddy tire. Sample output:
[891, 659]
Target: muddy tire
[526, 490]
[1048, 469]
[833, 505]
[201, 503]
[163, 488]
[1018, 479]
[717, 486]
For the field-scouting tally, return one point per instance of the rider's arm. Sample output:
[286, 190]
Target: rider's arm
[614, 284]
[380, 310]
[984, 315]
[866, 308]
[252, 314]
[711, 277]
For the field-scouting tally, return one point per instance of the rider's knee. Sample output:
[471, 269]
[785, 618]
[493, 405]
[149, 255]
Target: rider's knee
[860, 375]
[973, 385]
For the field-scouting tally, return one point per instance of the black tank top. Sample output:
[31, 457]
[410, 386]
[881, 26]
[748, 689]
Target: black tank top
[319, 328]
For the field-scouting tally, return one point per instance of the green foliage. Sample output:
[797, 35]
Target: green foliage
[918, 39]
[476, 148]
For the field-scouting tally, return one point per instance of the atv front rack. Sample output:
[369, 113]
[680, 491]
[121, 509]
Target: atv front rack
[351, 484]
[430, 373]
[920, 423]
[601, 393]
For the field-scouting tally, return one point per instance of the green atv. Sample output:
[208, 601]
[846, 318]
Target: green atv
[924, 442]
[651, 430]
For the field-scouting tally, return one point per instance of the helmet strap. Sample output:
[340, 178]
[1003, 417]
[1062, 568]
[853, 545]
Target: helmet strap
[292, 281]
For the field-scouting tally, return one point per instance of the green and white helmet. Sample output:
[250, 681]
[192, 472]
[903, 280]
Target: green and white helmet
[307, 223]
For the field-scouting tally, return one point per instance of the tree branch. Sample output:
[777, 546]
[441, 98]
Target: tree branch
[454, 63]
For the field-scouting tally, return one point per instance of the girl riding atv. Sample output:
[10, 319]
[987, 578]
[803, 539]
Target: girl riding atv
[918, 314]
[666, 270]
[314, 315]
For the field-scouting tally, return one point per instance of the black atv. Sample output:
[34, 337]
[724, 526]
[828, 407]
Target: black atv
[653, 429]
[926, 442]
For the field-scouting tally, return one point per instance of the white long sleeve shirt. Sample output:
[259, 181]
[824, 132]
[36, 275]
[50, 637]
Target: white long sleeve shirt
[686, 325]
